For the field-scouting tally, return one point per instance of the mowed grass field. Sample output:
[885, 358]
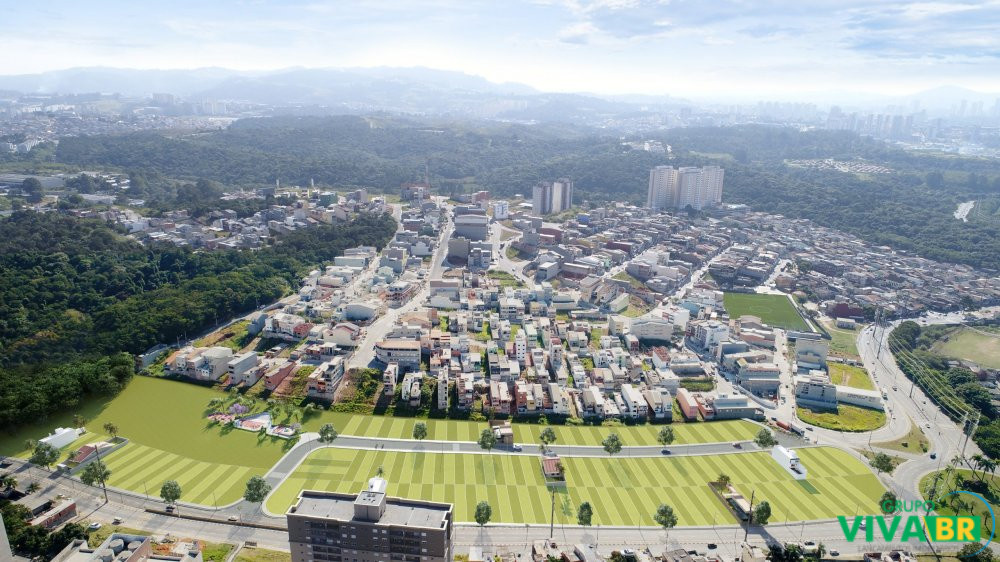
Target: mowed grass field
[452, 430]
[622, 490]
[849, 375]
[170, 439]
[775, 310]
[966, 343]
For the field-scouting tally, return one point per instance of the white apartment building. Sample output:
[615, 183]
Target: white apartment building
[682, 187]
[549, 197]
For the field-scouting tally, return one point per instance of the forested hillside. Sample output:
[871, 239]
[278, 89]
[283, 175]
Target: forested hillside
[74, 294]
[910, 209]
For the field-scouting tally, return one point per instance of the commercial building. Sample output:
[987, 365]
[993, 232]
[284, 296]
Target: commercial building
[815, 391]
[549, 197]
[406, 353]
[683, 187]
[473, 227]
[369, 527]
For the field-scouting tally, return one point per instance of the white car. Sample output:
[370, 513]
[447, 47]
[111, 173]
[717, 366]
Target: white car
[94, 526]
[516, 447]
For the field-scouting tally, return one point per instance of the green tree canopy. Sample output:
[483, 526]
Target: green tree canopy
[765, 439]
[170, 491]
[584, 514]
[483, 513]
[612, 444]
[487, 440]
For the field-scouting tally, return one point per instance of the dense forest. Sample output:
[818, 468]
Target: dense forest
[75, 295]
[955, 389]
[910, 209]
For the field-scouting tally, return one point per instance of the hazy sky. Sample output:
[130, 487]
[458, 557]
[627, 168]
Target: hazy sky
[683, 48]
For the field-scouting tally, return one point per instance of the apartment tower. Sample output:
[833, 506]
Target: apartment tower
[369, 527]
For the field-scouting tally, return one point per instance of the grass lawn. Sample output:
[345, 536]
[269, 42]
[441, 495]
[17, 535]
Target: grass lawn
[248, 554]
[945, 485]
[456, 430]
[845, 418]
[896, 461]
[849, 375]
[622, 490]
[170, 438]
[775, 310]
[966, 343]
[843, 343]
[913, 442]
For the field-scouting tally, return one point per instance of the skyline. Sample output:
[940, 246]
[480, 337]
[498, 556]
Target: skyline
[608, 47]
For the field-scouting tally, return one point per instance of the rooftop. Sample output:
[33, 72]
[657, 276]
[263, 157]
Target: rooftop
[398, 511]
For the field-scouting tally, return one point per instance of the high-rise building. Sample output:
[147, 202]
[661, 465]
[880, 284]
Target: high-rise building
[549, 197]
[683, 187]
[368, 527]
[662, 187]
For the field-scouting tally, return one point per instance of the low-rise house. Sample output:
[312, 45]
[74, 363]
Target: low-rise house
[323, 382]
[239, 364]
[659, 404]
[635, 405]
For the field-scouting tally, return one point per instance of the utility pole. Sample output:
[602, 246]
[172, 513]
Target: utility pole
[878, 322]
[746, 533]
[975, 426]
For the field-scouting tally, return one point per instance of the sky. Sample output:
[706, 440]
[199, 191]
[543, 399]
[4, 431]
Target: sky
[658, 47]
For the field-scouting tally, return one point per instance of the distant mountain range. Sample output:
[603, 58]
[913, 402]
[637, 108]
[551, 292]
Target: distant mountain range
[411, 90]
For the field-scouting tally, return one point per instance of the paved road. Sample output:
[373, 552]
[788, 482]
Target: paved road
[365, 354]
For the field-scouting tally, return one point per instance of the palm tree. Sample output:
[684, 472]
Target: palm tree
[977, 463]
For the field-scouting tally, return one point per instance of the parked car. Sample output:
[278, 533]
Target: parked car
[516, 447]
[94, 526]
[834, 552]
[116, 521]
[233, 518]
[665, 452]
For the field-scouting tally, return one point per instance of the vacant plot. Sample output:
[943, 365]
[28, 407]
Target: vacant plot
[144, 469]
[171, 439]
[976, 345]
[849, 375]
[622, 490]
[844, 418]
[165, 415]
[776, 310]
[452, 430]
[843, 343]
[248, 554]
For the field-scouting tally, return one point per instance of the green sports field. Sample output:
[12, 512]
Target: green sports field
[775, 310]
[979, 345]
[622, 490]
